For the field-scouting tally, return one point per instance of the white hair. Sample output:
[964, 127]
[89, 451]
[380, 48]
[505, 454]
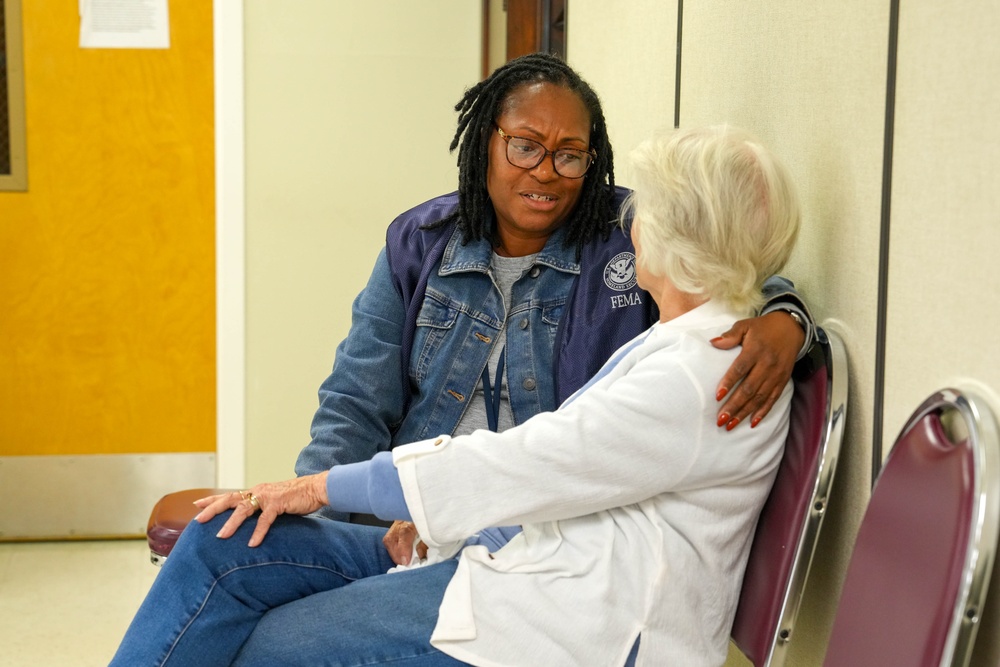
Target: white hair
[717, 213]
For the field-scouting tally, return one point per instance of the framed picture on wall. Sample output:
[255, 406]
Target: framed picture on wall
[13, 158]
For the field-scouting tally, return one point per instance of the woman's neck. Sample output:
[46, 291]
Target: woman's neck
[672, 302]
[519, 247]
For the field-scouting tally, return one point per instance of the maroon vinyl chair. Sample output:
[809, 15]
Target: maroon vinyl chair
[171, 514]
[789, 523]
[922, 560]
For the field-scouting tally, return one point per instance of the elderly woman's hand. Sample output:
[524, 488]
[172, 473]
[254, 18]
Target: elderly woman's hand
[398, 542]
[301, 495]
[770, 345]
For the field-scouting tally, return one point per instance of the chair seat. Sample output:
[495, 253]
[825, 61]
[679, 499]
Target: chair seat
[170, 516]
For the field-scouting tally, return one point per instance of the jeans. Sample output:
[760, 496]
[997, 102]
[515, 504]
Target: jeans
[314, 593]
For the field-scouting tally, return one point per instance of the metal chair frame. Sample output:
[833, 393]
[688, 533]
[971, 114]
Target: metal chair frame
[981, 439]
[765, 641]
[984, 439]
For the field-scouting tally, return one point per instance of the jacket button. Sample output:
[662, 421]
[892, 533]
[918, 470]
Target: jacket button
[535, 271]
[523, 323]
[529, 384]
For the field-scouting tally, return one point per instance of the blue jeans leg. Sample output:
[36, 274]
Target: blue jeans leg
[211, 593]
[382, 620]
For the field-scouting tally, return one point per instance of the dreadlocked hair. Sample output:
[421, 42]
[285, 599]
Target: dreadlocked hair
[478, 110]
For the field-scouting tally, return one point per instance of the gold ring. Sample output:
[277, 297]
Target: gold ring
[245, 495]
[254, 503]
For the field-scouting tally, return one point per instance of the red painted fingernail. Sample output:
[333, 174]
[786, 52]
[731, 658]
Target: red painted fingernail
[732, 424]
[723, 418]
[756, 420]
[721, 394]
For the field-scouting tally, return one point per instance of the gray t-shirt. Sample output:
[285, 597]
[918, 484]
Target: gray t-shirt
[505, 271]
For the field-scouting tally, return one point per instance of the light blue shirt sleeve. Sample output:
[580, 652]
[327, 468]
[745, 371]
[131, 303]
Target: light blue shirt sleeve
[368, 487]
[373, 487]
[494, 538]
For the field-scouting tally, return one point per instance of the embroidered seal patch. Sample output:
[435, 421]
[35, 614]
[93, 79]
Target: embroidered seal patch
[619, 274]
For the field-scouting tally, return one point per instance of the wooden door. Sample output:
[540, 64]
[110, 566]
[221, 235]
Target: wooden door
[536, 25]
[107, 280]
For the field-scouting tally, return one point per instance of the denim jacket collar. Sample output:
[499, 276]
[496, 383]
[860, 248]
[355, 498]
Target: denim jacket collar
[476, 255]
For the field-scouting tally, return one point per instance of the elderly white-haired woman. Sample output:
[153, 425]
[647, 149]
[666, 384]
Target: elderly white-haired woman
[721, 214]
[635, 512]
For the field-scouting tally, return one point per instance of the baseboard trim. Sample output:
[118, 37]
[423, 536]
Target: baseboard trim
[91, 496]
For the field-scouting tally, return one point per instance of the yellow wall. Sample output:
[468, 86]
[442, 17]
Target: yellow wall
[107, 322]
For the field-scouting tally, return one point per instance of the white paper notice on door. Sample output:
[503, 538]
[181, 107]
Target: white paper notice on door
[124, 24]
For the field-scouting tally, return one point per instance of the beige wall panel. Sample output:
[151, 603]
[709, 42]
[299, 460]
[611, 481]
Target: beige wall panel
[627, 52]
[943, 278]
[348, 120]
[810, 82]
[498, 34]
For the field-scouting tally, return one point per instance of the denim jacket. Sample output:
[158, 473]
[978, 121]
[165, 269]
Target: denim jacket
[432, 309]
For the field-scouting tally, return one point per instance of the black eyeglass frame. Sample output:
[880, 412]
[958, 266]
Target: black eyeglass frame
[591, 153]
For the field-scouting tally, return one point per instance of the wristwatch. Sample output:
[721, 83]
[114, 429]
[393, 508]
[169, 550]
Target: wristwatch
[796, 318]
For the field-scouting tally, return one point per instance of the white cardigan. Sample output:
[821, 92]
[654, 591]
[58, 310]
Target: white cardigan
[638, 513]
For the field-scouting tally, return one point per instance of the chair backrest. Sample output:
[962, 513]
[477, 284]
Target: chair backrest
[789, 523]
[924, 553]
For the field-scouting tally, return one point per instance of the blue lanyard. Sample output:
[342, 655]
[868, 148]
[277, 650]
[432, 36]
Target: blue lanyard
[492, 395]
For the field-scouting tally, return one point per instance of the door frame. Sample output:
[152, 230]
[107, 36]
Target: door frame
[230, 244]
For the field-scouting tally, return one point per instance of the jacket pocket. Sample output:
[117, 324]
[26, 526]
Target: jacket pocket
[437, 317]
[551, 315]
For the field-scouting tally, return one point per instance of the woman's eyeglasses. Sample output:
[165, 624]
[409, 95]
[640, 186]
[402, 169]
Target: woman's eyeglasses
[528, 154]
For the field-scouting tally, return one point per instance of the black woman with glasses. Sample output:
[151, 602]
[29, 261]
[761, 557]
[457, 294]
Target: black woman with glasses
[496, 302]
[486, 307]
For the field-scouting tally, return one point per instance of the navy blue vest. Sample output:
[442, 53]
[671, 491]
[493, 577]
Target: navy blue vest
[605, 309]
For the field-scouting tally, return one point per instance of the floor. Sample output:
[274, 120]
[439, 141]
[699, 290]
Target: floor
[69, 603]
